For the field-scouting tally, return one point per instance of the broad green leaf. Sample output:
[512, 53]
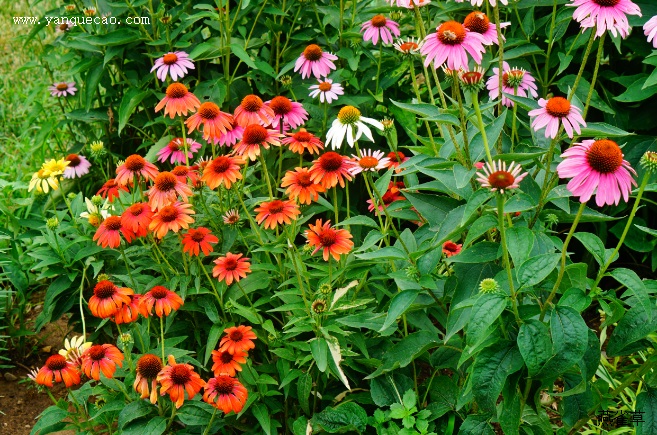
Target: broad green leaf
[536, 269]
[213, 339]
[133, 411]
[569, 341]
[239, 51]
[443, 394]
[49, 421]
[576, 406]
[129, 103]
[387, 253]
[646, 402]
[479, 227]
[359, 220]
[195, 413]
[429, 111]
[91, 82]
[523, 50]
[347, 417]
[319, 350]
[478, 253]
[600, 129]
[398, 306]
[117, 37]
[476, 424]
[304, 386]
[433, 208]
[534, 344]
[632, 327]
[519, 242]
[490, 370]
[485, 311]
[575, 298]
[155, 426]
[336, 355]
[593, 244]
[385, 390]
[261, 413]
[635, 285]
[406, 350]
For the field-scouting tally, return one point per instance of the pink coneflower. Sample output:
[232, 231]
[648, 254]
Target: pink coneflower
[231, 137]
[254, 137]
[450, 43]
[515, 81]
[62, 89]
[498, 178]
[379, 27]
[410, 4]
[327, 90]
[175, 153]
[287, 112]
[478, 22]
[314, 60]
[650, 30]
[165, 190]
[184, 173]
[553, 111]
[597, 166]
[369, 160]
[214, 121]
[78, 166]
[174, 64]
[135, 166]
[178, 101]
[303, 141]
[605, 15]
[252, 110]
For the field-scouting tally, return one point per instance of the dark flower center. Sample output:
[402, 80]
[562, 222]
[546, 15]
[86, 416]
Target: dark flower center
[451, 33]
[196, 235]
[312, 52]
[276, 206]
[180, 374]
[368, 162]
[379, 21]
[180, 171]
[176, 90]
[168, 213]
[254, 134]
[303, 179]
[230, 264]
[325, 86]
[135, 163]
[165, 181]
[236, 335]
[605, 156]
[104, 289]
[303, 136]
[501, 179]
[558, 107]
[331, 161]
[224, 384]
[149, 366]
[451, 247]
[208, 110]
[252, 103]
[113, 223]
[62, 86]
[328, 237]
[281, 105]
[226, 357]
[220, 164]
[73, 159]
[175, 145]
[96, 352]
[56, 362]
[159, 292]
[136, 209]
[610, 3]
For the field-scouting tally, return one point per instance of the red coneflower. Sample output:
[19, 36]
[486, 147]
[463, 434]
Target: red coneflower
[287, 112]
[330, 169]
[135, 165]
[197, 239]
[225, 393]
[171, 217]
[392, 194]
[300, 186]
[303, 141]
[148, 367]
[231, 268]
[137, 218]
[237, 338]
[178, 101]
[183, 173]
[254, 137]
[165, 190]
[330, 240]
[108, 299]
[101, 358]
[110, 190]
[222, 170]
[277, 212]
[175, 379]
[163, 299]
[226, 363]
[396, 158]
[108, 233]
[450, 248]
[214, 121]
[253, 111]
[128, 312]
[59, 369]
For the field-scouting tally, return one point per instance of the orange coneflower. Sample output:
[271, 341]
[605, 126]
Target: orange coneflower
[253, 111]
[183, 172]
[101, 358]
[197, 239]
[330, 240]
[108, 299]
[108, 233]
[178, 378]
[215, 122]
[166, 189]
[231, 268]
[59, 369]
[110, 190]
[277, 212]
[238, 338]
[300, 186]
[222, 170]
[254, 137]
[135, 165]
[225, 393]
[226, 363]
[137, 218]
[171, 217]
[162, 298]
[303, 141]
[148, 367]
[331, 168]
[178, 101]
[128, 312]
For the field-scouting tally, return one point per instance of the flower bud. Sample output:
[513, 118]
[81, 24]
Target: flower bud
[488, 285]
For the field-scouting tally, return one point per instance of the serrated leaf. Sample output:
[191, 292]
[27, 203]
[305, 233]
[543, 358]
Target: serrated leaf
[536, 269]
[534, 344]
[490, 370]
[485, 311]
[569, 341]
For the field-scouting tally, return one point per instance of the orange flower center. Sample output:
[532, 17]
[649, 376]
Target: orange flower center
[451, 247]
[325, 86]
[96, 352]
[159, 292]
[303, 179]
[276, 206]
[149, 366]
[220, 164]
[254, 134]
[312, 52]
[610, 3]
[196, 235]
[252, 103]
[477, 22]
[168, 213]
[409, 46]
[224, 384]
[368, 162]
[104, 289]
[501, 179]
[331, 161]
[451, 33]
[136, 209]
[63, 27]
[180, 171]
[176, 90]
[378, 21]
[236, 335]
[135, 163]
[56, 362]
[208, 110]
[74, 160]
[328, 237]
[281, 105]
[226, 357]
[113, 223]
[165, 181]
[62, 86]
[170, 59]
[303, 135]
[558, 107]
[180, 374]
[605, 156]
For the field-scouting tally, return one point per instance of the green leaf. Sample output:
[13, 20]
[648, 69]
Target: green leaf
[239, 51]
[536, 269]
[478, 253]
[601, 129]
[637, 92]
[358, 220]
[319, 350]
[116, 37]
[343, 418]
[534, 344]
[195, 413]
[133, 411]
[646, 402]
[398, 306]
[443, 394]
[594, 245]
[129, 103]
[433, 208]
[385, 389]
[476, 425]
[429, 112]
[213, 339]
[575, 298]
[635, 285]
[261, 413]
[519, 241]
[487, 308]
[304, 386]
[91, 84]
[525, 49]
[381, 185]
[49, 421]
[635, 325]
[155, 426]
[406, 350]
[387, 253]
[569, 341]
[490, 370]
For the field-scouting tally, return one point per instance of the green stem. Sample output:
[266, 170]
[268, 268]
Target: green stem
[598, 59]
[84, 325]
[416, 88]
[482, 128]
[125, 259]
[335, 204]
[549, 50]
[207, 429]
[500, 55]
[214, 289]
[265, 175]
[505, 253]
[249, 301]
[164, 361]
[378, 69]
[582, 65]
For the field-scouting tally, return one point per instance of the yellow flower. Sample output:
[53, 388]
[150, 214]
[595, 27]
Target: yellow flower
[43, 181]
[54, 167]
